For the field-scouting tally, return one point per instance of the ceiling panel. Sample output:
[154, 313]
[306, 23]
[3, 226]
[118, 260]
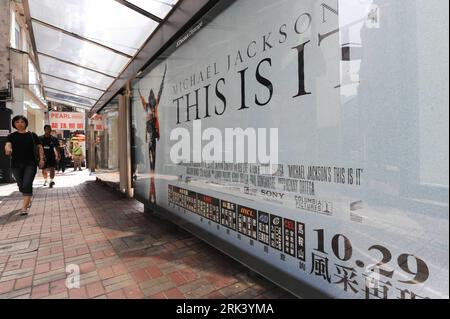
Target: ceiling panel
[71, 87]
[73, 73]
[84, 45]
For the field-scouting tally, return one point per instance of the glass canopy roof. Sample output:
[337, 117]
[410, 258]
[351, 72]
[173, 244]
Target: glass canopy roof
[84, 45]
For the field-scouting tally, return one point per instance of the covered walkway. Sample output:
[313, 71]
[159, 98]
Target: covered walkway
[121, 252]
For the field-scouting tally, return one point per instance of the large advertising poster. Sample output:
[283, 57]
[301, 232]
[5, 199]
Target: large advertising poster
[311, 134]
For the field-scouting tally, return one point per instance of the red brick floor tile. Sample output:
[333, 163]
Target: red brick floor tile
[174, 293]
[160, 295]
[42, 268]
[188, 274]
[78, 293]
[40, 291]
[177, 278]
[220, 281]
[109, 252]
[6, 286]
[105, 273]
[157, 260]
[44, 252]
[13, 265]
[119, 269]
[58, 286]
[57, 264]
[153, 272]
[95, 289]
[87, 267]
[82, 251]
[140, 275]
[85, 225]
[98, 255]
[57, 250]
[23, 283]
[45, 241]
[70, 253]
[118, 294]
[133, 292]
[28, 263]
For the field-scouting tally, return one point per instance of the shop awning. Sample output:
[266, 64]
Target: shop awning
[83, 46]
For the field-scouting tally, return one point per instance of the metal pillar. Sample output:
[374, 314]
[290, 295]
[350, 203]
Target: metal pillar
[124, 144]
[91, 147]
[5, 129]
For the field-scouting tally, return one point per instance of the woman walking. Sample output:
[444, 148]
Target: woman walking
[22, 145]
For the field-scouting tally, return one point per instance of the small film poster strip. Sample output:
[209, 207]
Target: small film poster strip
[283, 234]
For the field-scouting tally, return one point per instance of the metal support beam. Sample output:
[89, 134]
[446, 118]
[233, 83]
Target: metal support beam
[79, 37]
[68, 103]
[91, 161]
[140, 10]
[124, 143]
[70, 93]
[26, 9]
[75, 64]
[77, 83]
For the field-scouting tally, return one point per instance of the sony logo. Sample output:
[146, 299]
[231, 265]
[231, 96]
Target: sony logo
[272, 194]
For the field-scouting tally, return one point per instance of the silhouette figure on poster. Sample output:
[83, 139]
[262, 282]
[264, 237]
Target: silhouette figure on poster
[152, 131]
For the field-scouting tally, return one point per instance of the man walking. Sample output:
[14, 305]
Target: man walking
[51, 152]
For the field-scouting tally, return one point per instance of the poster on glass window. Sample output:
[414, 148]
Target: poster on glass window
[310, 134]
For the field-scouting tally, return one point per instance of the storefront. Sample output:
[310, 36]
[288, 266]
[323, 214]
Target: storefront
[106, 143]
[70, 127]
[308, 141]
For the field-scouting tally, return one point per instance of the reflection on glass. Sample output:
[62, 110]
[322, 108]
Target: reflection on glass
[64, 97]
[70, 87]
[73, 73]
[55, 43]
[104, 21]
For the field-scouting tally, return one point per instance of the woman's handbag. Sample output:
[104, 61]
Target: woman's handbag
[35, 150]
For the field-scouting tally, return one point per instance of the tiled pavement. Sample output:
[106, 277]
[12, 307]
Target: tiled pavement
[121, 252]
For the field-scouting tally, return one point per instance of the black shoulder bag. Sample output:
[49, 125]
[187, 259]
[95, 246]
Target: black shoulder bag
[35, 150]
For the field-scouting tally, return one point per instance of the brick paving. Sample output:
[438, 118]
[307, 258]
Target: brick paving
[120, 251]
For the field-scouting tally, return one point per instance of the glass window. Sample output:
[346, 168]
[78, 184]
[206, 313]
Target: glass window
[66, 98]
[348, 102]
[73, 73]
[107, 137]
[33, 80]
[17, 36]
[70, 87]
[55, 43]
[101, 35]
[104, 21]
